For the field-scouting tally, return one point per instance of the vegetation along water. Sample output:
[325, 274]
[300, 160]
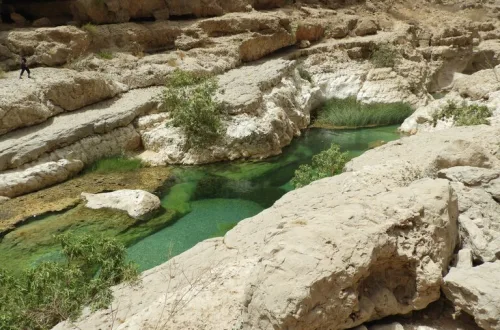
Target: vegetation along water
[199, 201]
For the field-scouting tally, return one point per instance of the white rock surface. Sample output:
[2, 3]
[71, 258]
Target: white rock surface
[470, 176]
[29, 144]
[391, 326]
[479, 222]
[464, 258]
[138, 204]
[18, 182]
[477, 292]
[48, 93]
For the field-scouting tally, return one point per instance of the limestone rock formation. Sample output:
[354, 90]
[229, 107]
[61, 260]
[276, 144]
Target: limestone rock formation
[470, 176]
[43, 46]
[119, 11]
[366, 27]
[16, 183]
[51, 92]
[464, 259]
[479, 222]
[138, 204]
[351, 266]
[35, 143]
[476, 291]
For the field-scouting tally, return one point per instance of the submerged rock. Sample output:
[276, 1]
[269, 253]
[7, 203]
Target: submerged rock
[138, 204]
[476, 291]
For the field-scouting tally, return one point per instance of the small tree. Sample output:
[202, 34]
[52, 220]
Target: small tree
[384, 56]
[190, 99]
[325, 164]
[51, 292]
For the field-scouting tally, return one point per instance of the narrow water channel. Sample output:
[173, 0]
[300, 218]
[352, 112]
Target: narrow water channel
[204, 201]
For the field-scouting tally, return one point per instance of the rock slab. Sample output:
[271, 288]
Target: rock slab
[137, 203]
[476, 291]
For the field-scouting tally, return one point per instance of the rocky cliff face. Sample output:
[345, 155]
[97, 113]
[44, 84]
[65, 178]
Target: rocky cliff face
[375, 241]
[263, 112]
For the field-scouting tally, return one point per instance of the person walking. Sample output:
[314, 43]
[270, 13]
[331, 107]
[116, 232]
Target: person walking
[24, 67]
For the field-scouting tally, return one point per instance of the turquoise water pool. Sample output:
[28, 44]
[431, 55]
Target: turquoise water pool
[215, 197]
[198, 202]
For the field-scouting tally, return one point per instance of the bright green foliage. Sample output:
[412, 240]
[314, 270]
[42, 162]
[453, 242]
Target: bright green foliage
[105, 55]
[463, 115]
[190, 99]
[115, 164]
[90, 28]
[349, 113]
[384, 56]
[325, 164]
[51, 292]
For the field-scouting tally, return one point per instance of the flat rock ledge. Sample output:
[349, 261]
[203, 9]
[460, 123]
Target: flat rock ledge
[138, 204]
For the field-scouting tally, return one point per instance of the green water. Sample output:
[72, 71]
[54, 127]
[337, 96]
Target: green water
[226, 193]
[198, 202]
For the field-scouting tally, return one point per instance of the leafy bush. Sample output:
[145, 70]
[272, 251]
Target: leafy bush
[325, 164]
[90, 28]
[115, 164]
[349, 113]
[105, 55]
[463, 115]
[384, 56]
[41, 297]
[190, 99]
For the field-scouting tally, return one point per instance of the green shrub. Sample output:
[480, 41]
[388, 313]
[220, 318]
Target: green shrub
[325, 164]
[384, 56]
[463, 115]
[349, 113]
[51, 292]
[90, 28]
[190, 99]
[115, 164]
[105, 55]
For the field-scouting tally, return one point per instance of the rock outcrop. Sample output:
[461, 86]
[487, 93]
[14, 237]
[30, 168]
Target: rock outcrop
[138, 204]
[476, 291]
[40, 176]
[43, 46]
[49, 93]
[352, 265]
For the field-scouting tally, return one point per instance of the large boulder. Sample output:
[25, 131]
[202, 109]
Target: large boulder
[138, 204]
[366, 27]
[479, 221]
[476, 291]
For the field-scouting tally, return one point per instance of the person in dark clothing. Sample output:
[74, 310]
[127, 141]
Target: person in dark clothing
[24, 67]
